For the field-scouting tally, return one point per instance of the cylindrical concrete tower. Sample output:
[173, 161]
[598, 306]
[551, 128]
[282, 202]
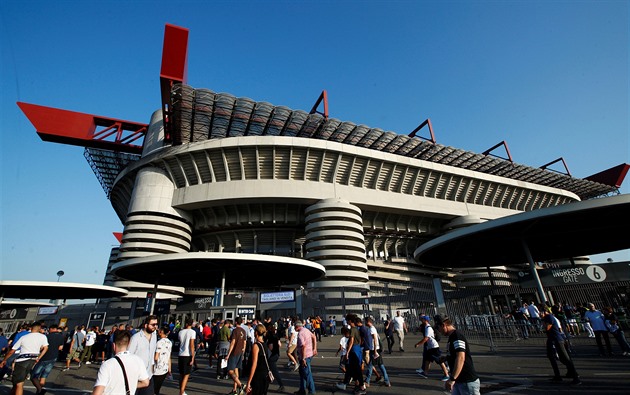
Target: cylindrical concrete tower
[334, 239]
[153, 226]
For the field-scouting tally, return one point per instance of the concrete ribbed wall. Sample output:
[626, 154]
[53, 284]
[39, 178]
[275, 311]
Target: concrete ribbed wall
[153, 226]
[334, 239]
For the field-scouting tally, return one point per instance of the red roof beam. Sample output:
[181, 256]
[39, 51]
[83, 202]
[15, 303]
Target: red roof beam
[613, 176]
[76, 128]
[174, 69]
[507, 151]
[427, 122]
[323, 97]
[560, 159]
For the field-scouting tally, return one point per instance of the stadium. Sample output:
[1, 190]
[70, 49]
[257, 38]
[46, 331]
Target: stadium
[223, 196]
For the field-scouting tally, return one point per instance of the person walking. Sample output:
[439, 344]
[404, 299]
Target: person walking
[76, 346]
[354, 356]
[33, 346]
[598, 323]
[400, 326]
[124, 373]
[274, 344]
[463, 379]
[162, 358]
[389, 333]
[43, 368]
[143, 344]
[306, 350]
[557, 348]
[376, 359]
[90, 339]
[431, 350]
[186, 355]
[234, 357]
[258, 380]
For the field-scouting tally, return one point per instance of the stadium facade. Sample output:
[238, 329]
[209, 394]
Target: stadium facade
[217, 174]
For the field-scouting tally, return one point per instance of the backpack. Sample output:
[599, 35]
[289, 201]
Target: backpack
[437, 320]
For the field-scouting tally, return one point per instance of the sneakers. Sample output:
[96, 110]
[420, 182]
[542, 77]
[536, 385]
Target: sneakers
[280, 389]
[419, 371]
[423, 375]
[88, 363]
[341, 386]
[445, 378]
[295, 368]
[360, 391]
[379, 378]
[65, 369]
[79, 364]
[576, 381]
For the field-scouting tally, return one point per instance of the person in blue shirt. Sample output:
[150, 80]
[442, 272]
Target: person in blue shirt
[557, 348]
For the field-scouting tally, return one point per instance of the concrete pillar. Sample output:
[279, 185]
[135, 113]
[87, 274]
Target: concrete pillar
[152, 225]
[334, 239]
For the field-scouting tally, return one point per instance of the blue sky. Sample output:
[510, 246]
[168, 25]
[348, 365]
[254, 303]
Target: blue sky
[550, 78]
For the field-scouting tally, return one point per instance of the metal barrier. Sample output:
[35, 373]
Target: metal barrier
[496, 331]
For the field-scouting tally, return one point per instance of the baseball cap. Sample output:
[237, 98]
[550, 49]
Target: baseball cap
[425, 317]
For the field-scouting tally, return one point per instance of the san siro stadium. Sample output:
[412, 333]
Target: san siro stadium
[229, 198]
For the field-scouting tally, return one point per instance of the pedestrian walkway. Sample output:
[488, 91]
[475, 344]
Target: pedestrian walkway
[520, 369]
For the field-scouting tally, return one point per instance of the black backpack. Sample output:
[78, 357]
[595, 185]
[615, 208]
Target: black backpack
[437, 319]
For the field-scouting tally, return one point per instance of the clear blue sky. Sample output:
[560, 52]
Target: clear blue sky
[550, 78]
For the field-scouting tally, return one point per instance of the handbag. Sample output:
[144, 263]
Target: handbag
[270, 377]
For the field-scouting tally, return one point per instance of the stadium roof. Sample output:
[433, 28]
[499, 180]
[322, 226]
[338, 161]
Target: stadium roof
[200, 114]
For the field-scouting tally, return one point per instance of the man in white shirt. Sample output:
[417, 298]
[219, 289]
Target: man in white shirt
[90, 339]
[534, 315]
[431, 350]
[110, 381]
[32, 348]
[400, 327]
[143, 344]
[186, 356]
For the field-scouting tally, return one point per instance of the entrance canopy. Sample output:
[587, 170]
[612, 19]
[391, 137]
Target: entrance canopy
[56, 290]
[575, 229]
[206, 270]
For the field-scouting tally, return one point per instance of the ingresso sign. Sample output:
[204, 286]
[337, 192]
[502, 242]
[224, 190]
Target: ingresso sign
[275, 297]
[579, 274]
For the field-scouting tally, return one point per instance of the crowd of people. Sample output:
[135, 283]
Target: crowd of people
[579, 320]
[247, 352]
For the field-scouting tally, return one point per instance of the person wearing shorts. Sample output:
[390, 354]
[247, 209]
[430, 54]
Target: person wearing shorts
[43, 368]
[431, 352]
[186, 356]
[234, 358]
[32, 348]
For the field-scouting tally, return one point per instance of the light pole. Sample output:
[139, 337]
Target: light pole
[59, 274]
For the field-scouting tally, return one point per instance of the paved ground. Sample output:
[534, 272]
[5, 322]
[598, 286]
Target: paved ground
[521, 369]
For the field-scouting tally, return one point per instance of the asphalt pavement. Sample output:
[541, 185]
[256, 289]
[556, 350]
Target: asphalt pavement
[521, 368]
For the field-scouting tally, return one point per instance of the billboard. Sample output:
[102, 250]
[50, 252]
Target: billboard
[277, 297]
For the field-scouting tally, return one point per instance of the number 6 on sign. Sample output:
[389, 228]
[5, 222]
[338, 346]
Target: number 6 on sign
[596, 273]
